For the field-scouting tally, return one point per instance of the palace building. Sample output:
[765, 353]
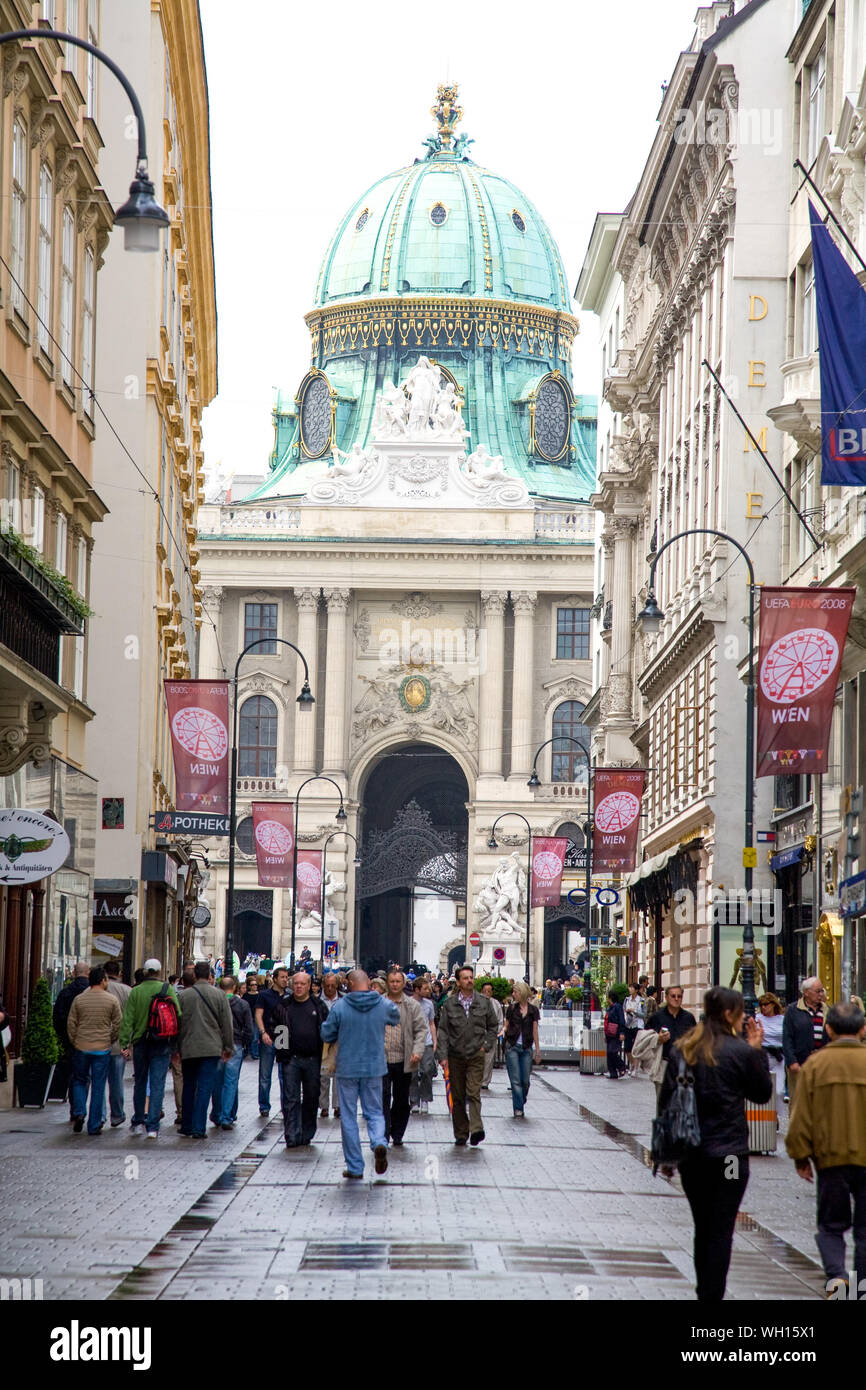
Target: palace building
[424, 536]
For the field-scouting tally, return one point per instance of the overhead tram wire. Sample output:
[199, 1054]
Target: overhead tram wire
[148, 486]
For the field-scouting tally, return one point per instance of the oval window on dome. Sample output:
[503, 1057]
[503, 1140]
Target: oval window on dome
[362, 220]
[316, 418]
[552, 420]
[438, 214]
[518, 221]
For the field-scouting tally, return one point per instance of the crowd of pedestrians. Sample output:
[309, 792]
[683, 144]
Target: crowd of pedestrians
[346, 1041]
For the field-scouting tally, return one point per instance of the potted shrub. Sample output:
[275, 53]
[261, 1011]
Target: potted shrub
[501, 986]
[39, 1050]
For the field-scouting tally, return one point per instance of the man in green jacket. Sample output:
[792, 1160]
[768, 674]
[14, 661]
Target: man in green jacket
[466, 1031]
[150, 1055]
[206, 1034]
[828, 1128]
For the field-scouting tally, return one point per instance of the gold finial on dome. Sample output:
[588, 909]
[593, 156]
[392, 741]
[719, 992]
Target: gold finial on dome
[446, 111]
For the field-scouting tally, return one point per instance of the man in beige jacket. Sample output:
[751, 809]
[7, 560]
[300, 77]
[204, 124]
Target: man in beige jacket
[404, 1048]
[92, 1027]
[828, 1128]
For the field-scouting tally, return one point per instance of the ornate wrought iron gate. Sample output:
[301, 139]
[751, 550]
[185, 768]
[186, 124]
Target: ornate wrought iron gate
[412, 854]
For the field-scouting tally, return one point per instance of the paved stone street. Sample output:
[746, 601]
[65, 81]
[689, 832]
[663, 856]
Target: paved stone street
[564, 1199]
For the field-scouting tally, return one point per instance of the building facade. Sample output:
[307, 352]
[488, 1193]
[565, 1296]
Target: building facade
[156, 364]
[53, 233]
[703, 286]
[438, 583]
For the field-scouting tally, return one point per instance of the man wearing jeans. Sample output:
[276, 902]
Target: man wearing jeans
[92, 1026]
[357, 1023]
[150, 1058]
[117, 1065]
[224, 1097]
[266, 1001]
[206, 1034]
[297, 1032]
[828, 1128]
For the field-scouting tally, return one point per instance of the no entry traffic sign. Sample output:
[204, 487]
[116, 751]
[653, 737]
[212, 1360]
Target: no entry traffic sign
[475, 939]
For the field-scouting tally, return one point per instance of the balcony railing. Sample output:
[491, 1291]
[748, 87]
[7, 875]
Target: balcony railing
[565, 525]
[246, 785]
[257, 519]
[26, 632]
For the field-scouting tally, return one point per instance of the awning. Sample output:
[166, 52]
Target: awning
[651, 866]
[787, 858]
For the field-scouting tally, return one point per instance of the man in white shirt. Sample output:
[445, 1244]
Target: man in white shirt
[329, 996]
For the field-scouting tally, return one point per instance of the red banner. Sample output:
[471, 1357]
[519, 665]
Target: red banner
[548, 857]
[310, 879]
[616, 818]
[274, 834]
[803, 633]
[198, 717]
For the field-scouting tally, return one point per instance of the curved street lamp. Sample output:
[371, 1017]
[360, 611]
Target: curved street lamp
[141, 216]
[340, 818]
[491, 844]
[306, 701]
[651, 618]
[357, 863]
[534, 782]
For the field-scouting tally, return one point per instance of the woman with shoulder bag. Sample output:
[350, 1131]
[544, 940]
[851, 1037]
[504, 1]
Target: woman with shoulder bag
[726, 1063]
[521, 1042]
[614, 1032]
[772, 1020]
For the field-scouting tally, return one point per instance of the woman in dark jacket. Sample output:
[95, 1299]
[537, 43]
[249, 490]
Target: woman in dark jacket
[725, 1052]
[614, 1018]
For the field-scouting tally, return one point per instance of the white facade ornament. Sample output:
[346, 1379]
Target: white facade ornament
[481, 468]
[502, 899]
[354, 462]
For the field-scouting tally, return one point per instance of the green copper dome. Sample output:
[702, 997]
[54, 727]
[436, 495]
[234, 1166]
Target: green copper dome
[444, 226]
[446, 259]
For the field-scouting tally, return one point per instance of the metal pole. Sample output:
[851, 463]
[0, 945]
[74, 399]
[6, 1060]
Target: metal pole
[747, 966]
[322, 941]
[528, 896]
[233, 789]
[587, 974]
[295, 879]
[20, 34]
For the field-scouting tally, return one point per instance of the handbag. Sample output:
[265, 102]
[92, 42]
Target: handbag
[611, 1030]
[676, 1132]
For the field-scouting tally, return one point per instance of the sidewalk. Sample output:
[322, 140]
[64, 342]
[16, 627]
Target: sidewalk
[562, 1200]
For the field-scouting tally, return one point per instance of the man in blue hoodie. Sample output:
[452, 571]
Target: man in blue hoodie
[357, 1023]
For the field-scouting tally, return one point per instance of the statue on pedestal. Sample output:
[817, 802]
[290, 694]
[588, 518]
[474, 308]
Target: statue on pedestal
[502, 898]
[353, 463]
[482, 468]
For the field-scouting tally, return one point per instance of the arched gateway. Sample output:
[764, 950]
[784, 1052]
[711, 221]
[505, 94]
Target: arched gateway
[411, 885]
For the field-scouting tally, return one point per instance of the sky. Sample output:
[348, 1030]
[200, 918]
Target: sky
[561, 99]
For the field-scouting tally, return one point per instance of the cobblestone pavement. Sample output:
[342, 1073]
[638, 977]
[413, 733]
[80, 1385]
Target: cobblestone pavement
[563, 1197]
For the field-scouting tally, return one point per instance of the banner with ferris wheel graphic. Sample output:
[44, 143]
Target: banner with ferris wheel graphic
[618, 793]
[198, 717]
[274, 834]
[803, 634]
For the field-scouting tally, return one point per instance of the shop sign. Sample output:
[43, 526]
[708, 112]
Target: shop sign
[32, 846]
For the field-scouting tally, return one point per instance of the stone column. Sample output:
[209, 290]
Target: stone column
[209, 664]
[623, 528]
[491, 692]
[522, 685]
[308, 641]
[334, 758]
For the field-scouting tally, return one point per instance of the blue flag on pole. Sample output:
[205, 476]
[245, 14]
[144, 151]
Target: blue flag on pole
[840, 300]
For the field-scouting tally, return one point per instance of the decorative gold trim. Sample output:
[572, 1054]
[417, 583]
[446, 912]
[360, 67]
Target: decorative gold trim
[535, 449]
[485, 235]
[386, 262]
[311, 376]
[530, 330]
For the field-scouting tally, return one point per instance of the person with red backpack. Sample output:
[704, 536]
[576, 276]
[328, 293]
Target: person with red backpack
[149, 1035]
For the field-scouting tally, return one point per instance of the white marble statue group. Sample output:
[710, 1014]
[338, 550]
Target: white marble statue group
[502, 899]
[424, 407]
[312, 919]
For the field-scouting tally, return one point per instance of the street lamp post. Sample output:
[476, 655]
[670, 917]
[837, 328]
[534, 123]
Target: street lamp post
[306, 702]
[328, 840]
[534, 782]
[340, 818]
[491, 844]
[651, 618]
[141, 217]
